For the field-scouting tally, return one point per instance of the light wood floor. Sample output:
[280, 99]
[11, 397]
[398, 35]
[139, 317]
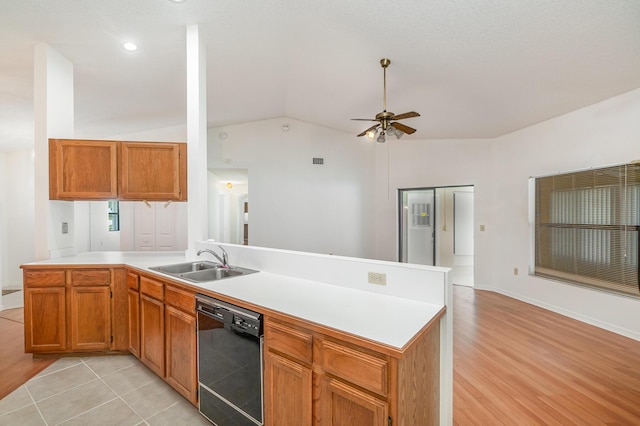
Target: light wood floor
[514, 364]
[16, 367]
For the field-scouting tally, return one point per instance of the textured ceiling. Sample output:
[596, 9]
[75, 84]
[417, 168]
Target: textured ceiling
[472, 68]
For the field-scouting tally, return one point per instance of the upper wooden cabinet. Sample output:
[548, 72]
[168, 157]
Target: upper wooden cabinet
[83, 169]
[102, 170]
[152, 171]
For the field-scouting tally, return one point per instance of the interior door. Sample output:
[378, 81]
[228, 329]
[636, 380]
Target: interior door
[417, 224]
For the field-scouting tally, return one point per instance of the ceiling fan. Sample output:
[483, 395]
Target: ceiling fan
[387, 124]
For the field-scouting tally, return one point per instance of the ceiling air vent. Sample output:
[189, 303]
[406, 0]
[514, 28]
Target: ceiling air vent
[318, 160]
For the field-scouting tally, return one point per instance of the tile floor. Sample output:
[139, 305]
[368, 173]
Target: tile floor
[101, 390]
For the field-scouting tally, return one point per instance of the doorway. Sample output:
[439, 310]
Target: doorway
[229, 205]
[436, 228]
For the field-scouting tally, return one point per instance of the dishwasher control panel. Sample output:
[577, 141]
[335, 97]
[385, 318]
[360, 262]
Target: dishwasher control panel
[234, 317]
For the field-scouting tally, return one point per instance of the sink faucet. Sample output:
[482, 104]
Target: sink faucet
[224, 260]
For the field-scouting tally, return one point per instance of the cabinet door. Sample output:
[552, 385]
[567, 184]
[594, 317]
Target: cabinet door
[153, 171]
[134, 322]
[90, 318]
[152, 334]
[181, 352]
[82, 169]
[343, 405]
[44, 319]
[287, 393]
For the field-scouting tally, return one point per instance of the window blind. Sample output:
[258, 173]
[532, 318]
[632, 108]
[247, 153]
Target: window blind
[587, 227]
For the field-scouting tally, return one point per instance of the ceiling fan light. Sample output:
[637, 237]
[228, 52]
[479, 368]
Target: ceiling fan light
[391, 131]
[399, 133]
[381, 137]
[371, 134]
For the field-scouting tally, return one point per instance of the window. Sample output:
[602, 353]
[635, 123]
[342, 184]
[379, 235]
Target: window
[114, 215]
[421, 214]
[586, 227]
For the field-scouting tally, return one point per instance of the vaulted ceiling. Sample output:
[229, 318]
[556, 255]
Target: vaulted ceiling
[472, 69]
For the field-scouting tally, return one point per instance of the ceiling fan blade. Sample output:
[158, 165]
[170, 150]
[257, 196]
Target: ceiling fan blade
[364, 119]
[406, 115]
[406, 129]
[369, 129]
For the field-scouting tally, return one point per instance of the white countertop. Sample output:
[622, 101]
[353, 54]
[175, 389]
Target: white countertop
[384, 319]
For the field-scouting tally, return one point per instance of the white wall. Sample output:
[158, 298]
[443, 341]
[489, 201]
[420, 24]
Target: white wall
[602, 134]
[434, 163]
[53, 104]
[3, 222]
[164, 134]
[19, 190]
[499, 169]
[295, 204]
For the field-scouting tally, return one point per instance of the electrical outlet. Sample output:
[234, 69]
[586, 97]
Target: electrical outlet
[377, 278]
[65, 228]
[515, 271]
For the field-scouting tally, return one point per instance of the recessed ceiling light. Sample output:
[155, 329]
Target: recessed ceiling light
[131, 47]
[177, 1]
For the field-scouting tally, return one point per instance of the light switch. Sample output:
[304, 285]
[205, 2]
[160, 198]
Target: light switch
[481, 228]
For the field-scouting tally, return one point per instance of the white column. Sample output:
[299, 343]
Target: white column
[53, 118]
[196, 136]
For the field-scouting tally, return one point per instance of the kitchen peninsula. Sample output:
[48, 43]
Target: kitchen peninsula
[335, 346]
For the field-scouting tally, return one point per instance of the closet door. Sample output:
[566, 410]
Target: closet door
[155, 226]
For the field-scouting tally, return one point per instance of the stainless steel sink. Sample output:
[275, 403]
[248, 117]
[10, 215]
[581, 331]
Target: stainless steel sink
[215, 274]
[181, 268]
[202, 271]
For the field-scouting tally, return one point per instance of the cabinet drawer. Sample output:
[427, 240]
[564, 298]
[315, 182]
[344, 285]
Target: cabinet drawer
[295, 343]
[354, 366]
[151, 288]
[90, 277]
[46, 278]
[180, 299]
[133, 282]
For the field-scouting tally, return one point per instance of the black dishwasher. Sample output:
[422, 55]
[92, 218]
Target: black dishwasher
[229, 363]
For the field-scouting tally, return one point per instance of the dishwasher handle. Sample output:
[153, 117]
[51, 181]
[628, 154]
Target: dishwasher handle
[215, 312]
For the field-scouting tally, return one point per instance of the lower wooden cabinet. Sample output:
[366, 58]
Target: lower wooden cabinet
[68, 310]
[288, 392]
[351, 384]
[316, 376]
[164, 316]
[133, 313]
[180, 353]
[152, 334]
[133, 304]
[45, 321]
[343, 405]
[90, 318]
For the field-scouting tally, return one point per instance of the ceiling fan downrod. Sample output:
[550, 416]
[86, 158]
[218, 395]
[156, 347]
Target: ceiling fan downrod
[385, 63]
